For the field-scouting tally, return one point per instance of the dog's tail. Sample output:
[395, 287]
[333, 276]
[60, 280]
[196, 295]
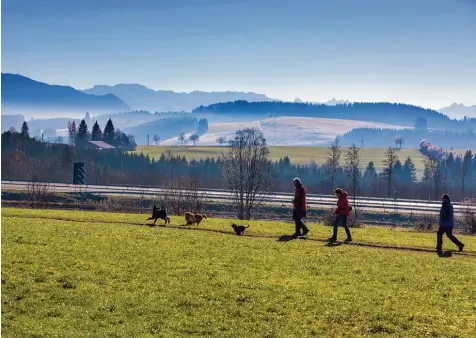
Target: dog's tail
[246, 227]
[150, 218]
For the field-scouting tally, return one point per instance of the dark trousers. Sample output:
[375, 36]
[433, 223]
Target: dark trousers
[449, 233]
[297, 218]
[341, 220]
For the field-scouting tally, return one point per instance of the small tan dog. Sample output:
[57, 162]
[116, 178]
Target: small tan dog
[192, 218]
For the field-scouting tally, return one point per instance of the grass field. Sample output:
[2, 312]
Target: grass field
[78, 274]
[297, 154]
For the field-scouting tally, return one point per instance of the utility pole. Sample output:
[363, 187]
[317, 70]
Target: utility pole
[147, 139]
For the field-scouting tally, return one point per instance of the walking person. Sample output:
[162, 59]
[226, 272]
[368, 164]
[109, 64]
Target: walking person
[446, 225]
[300, 208]
[342, 213]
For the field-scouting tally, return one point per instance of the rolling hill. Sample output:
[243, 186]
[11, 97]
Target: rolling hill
[21, 94]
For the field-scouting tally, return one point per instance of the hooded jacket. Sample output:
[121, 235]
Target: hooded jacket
[343, 205]
[447, 215]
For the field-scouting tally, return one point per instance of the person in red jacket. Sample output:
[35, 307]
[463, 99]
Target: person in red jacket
[299, 209]
[342, 212]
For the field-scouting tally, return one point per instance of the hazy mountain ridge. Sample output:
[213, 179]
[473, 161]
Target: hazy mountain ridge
[140, 97]
[331, 102]
[459, 110]
[20, 93]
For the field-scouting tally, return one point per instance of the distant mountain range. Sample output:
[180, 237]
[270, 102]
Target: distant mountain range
[459, 110]
[332, 102]
[22, 94]
[143, 98]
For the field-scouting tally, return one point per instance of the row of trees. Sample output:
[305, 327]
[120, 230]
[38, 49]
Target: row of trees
[384, 112]
[374, 137]
[243, 160]
[80, 136]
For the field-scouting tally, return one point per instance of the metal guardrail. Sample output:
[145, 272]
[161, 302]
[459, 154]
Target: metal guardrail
[313, 200]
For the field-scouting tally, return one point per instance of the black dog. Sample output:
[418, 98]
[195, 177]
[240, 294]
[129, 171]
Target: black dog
[239, 229]
[159, 213]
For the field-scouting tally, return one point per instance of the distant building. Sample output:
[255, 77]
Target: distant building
[100, 145]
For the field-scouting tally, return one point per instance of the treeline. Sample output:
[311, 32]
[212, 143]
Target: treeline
[392, 113]
[168, 128]
[80, 136]
[24, 157]
[372, 137]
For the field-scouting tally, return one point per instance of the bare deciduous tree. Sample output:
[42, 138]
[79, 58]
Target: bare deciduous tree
[399, 142]
[332, 163]
[434, 168]
[182, 194]
[194, 138]
[391, 158]
[39, 193]
[468, 216]
[221, 140]
[247, 171]
[182, 138]
[352, 169]
[156, 139]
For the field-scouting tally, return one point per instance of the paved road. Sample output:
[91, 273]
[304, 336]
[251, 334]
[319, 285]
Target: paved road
[314, 200]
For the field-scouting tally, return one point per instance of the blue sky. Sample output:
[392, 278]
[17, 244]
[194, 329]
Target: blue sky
[414, 51]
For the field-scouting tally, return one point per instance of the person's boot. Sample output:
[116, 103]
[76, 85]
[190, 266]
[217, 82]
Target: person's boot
[460, 247]
[305, 231]
[332, 239]
[348, 240]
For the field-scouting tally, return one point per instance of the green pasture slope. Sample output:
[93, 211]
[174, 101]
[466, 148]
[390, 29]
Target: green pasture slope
[299, 155]
[80, 274]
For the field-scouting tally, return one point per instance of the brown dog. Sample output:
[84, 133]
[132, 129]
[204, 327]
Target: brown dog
[192, 218]
[239, 229]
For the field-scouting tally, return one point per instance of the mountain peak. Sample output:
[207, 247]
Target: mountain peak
[22, 93]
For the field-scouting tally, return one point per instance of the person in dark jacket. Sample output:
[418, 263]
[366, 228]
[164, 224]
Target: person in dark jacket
[299, 208]
[446, 225]
[342, 212]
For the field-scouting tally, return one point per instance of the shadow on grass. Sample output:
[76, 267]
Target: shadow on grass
[287, 238]
[445, 254]
[152, 225]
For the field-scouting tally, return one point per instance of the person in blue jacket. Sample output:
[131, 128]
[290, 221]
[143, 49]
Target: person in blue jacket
[446, 224]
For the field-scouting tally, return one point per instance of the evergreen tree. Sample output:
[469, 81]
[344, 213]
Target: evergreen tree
[96, 134]
[409, 172]
[398, 172]
[25, 130]
[87, 118]
[109, 133]
[421, 124]
[72, 132]
[391, 158]
[370, 175]
[83, 136]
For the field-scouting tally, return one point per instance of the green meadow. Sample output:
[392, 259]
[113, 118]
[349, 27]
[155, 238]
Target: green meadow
[91, 274]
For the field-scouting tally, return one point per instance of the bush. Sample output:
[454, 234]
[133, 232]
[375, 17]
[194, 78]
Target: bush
[39, 193]
[467, 219]
[426, 223]
[354, 217]
[182, 194]
[329, 217]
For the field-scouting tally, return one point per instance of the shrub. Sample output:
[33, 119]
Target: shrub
[467, 219]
